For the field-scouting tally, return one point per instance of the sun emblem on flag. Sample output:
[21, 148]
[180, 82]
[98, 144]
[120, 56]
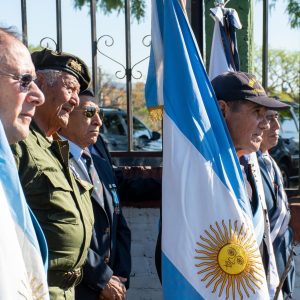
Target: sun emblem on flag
[33, 289]
[229, 260]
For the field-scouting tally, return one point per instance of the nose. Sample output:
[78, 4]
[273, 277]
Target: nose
[276, 124]
[97, 120]
[264, 124]
[35, 95]
[74, 99]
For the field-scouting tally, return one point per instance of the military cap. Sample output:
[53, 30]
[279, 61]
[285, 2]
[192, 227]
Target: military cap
[233, 86]
[87, 92]
[61, 61]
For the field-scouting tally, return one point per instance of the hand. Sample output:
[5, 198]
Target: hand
[114, 290]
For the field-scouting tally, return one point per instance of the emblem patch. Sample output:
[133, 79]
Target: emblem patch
[229, 261]
[75, 65]
[34, 289]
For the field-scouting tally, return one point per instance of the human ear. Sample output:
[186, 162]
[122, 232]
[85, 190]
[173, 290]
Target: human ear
[223, 107]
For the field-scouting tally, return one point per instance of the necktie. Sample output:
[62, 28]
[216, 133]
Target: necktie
[98, 188]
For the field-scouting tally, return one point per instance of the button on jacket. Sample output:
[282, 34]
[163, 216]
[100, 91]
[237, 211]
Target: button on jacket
[61, 203]
[109, 253]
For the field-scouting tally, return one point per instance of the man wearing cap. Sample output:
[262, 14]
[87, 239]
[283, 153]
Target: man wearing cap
[277, 205]
[23, 254]
[244, 104]
[59, 199]
[106, 272]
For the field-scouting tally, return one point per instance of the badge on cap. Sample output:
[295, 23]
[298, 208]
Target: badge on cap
[252, 82]
[75, 65]
[258, 88]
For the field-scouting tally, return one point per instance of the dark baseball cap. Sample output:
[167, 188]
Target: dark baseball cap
[61, 61]
[234, 86]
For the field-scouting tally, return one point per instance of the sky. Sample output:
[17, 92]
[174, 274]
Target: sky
[76, 31]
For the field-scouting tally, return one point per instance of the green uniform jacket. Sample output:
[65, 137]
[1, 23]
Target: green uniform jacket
[60, 202]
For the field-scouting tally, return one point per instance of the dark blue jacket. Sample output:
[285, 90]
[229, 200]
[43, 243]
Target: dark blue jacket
[282, 244]
[109, 252]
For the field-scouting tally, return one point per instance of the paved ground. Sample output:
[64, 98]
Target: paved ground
[144, 283]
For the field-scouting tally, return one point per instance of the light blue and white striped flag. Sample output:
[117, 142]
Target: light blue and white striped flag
[224, 57]
[22, 269]
[209, 249]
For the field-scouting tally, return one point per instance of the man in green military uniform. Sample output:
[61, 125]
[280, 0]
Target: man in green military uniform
[59, 199]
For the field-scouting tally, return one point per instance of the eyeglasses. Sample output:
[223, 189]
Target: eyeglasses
[24, 79]
[90, 111]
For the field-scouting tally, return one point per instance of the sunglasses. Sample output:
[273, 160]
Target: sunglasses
[90, 111]
[24, 80]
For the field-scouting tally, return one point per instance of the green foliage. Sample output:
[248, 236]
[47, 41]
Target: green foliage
[33, 48]
[293, 11]
[107, 6]
[284, 72]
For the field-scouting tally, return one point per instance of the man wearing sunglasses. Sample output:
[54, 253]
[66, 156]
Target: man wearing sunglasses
[107, 269]
[59, 199]
[23, 247]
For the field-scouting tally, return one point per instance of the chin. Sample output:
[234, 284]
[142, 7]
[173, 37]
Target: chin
[63, 122]
[19, 135]
[253, 148]
[92, 141]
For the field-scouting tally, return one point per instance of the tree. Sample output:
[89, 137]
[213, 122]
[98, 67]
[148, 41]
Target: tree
[138, 8]
[107, 6]
[33, 48]
[284, 73]
[293, 11]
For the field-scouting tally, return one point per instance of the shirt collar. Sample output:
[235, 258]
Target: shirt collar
[74, 149]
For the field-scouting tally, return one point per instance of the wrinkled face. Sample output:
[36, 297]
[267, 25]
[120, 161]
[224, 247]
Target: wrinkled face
[84, 123]
[60, 99]
[246, 122]
[270, 136]
[17, 104]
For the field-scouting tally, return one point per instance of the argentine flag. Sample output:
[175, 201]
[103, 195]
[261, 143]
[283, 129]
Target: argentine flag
[224, 57]
[209, 250]
[22, 269]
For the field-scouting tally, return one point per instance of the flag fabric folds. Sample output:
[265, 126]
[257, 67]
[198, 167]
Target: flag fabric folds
[224, 54]
[209, 249]
[154, 87]
[224, 57]
[23, 245]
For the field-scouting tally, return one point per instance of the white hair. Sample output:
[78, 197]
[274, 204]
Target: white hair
[50, 75]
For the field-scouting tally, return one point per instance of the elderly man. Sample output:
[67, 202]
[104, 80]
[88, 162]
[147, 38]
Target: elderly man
[23, 252]
[107, 269]
[60, 200]
[244, 103]
[277, 204]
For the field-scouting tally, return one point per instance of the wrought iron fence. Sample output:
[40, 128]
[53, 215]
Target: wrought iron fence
[100, 46]
[128, 70]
